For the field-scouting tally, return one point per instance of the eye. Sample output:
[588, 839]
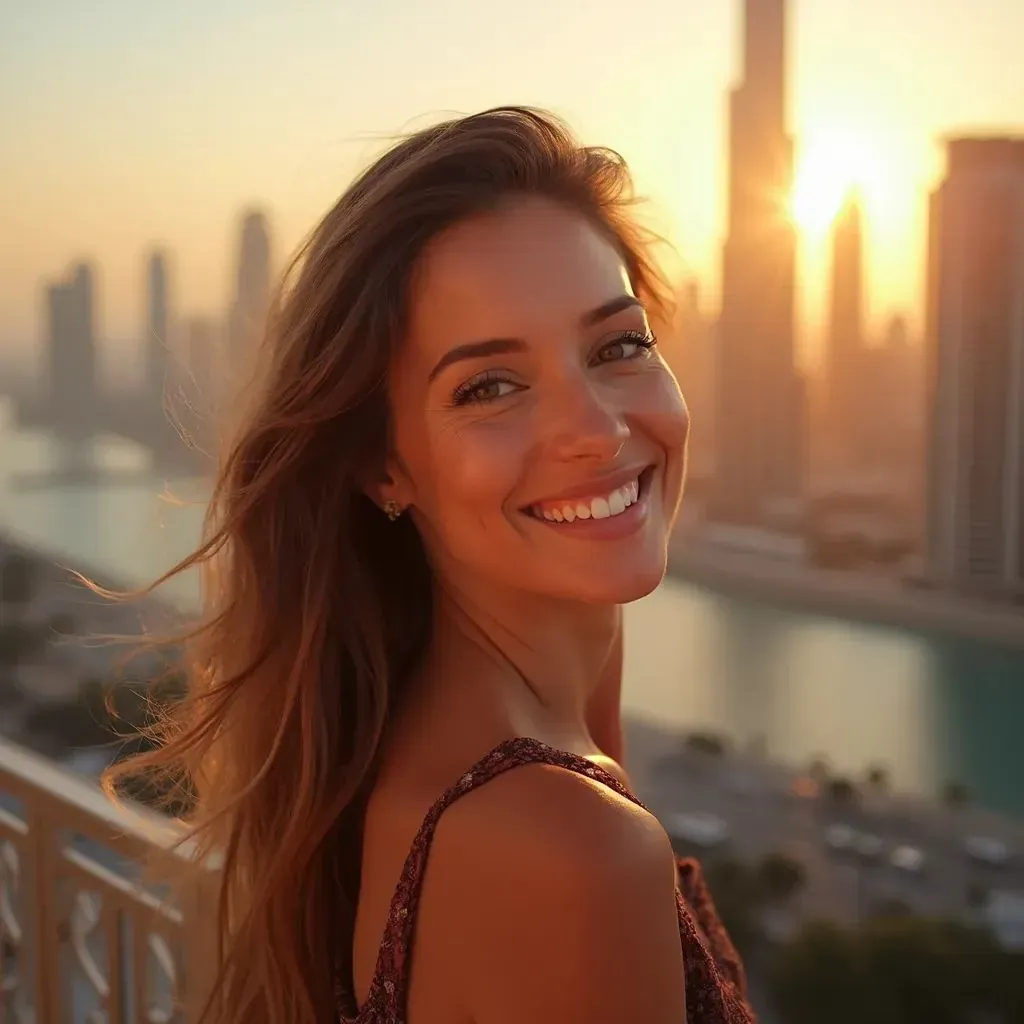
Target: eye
[484, 387]
[628, 345]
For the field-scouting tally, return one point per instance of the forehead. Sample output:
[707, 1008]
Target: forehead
[530, 266]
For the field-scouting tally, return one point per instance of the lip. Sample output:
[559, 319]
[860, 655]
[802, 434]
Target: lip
[598, 487]
[613, 527]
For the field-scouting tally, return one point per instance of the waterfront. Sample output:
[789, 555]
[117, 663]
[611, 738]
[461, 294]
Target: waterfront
[929, 708]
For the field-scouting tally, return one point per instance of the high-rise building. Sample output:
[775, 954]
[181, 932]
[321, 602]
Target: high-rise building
[694, 367]
[252, 293]
[71, 349]
[157, 351]
[760, 400]
[845, 355]
[200, 385]
[975, 355]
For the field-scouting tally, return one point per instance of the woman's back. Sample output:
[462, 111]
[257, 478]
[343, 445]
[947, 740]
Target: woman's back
[544, 893]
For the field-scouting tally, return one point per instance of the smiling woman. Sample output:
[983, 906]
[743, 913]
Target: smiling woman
[465, 454]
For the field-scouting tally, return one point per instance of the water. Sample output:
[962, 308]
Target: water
[930, 708]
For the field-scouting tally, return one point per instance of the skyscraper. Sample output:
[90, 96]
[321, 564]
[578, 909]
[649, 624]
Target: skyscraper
[845, 357]
[252, 293]
[157, 340]
[200, 386]
[760, 395]
[71, 349]
[975, 353]
[694, 368]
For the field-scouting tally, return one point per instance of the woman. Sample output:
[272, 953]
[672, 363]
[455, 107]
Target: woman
[465, 453]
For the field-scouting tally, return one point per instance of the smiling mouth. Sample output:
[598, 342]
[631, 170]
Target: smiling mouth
[597, 506]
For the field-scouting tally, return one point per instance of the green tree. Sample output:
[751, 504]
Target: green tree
[897, 969]
[707, 743]
[738, 899]
[819, 769]
[841, 791]
[976, 895]
[780, 876]
[878, 777]
[17, 579]
[929, 970]
[955, 794]
[19, 642]
[822, 975]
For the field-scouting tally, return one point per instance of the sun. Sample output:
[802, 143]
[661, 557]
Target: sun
[828, 168]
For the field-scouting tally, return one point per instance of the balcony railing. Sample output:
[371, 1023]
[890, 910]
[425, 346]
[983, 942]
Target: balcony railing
[85, 938]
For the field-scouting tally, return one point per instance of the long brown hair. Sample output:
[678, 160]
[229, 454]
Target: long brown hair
[315, 606]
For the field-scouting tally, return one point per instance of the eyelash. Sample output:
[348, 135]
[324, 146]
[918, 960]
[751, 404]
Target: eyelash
[464, 393]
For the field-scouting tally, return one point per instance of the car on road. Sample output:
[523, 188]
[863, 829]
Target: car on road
[697, 827]
[988, 850]
[907, 858]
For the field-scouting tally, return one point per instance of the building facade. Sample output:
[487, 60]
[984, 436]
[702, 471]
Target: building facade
[975, 355]
[71, 351]
[759, 457]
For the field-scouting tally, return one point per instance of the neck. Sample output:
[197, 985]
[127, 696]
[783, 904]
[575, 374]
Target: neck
[535, 659]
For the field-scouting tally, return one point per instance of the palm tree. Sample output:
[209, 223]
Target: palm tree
[841, 791]
[780, 876]
[17, 580]
[955, 793]
[878, 777]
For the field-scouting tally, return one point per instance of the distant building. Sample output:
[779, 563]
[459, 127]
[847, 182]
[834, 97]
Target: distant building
[252, 294]
[71, 351]
[201, 386]
[846, 402]
[759, 467]
[695, 369]
[975, 353]
[156, 347]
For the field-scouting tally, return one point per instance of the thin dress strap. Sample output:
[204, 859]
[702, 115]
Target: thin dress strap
[387, 998]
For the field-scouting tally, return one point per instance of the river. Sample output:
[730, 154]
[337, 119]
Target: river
[930, 708]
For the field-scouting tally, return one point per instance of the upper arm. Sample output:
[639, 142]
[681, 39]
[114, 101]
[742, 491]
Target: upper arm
[575, 921]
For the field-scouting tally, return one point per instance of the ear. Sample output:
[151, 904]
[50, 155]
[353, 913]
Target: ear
[390, 484]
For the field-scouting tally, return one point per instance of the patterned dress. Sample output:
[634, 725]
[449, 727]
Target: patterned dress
[714, 976]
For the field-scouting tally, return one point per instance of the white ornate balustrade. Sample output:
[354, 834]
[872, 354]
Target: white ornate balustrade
[84, 939]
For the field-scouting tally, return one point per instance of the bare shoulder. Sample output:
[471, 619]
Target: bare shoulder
[560, 906]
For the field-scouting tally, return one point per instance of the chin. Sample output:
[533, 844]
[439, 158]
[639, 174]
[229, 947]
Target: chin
[609, 584]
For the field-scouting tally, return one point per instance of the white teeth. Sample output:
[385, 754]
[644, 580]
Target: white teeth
[597, 508]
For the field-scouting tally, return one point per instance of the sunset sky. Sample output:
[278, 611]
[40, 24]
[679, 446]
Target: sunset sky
[124, 124]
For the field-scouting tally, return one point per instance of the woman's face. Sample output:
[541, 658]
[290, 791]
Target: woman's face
[539, 438]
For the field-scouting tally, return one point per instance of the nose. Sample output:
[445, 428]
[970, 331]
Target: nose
[584, 423]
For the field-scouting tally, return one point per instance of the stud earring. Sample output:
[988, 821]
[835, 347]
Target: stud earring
[392, 510]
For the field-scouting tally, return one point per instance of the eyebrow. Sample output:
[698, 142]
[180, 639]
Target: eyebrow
[501, 346]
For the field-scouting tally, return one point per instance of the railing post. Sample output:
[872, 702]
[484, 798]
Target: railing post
[43, 912]
[199, 912]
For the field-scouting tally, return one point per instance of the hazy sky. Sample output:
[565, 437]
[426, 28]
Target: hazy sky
[127, 124]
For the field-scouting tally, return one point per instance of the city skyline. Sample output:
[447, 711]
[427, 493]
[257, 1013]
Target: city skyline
[192, 147]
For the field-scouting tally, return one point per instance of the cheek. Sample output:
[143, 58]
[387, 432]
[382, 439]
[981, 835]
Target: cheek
[662, 412]
[475, 467]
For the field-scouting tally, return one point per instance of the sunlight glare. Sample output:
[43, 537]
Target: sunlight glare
[828, 168]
